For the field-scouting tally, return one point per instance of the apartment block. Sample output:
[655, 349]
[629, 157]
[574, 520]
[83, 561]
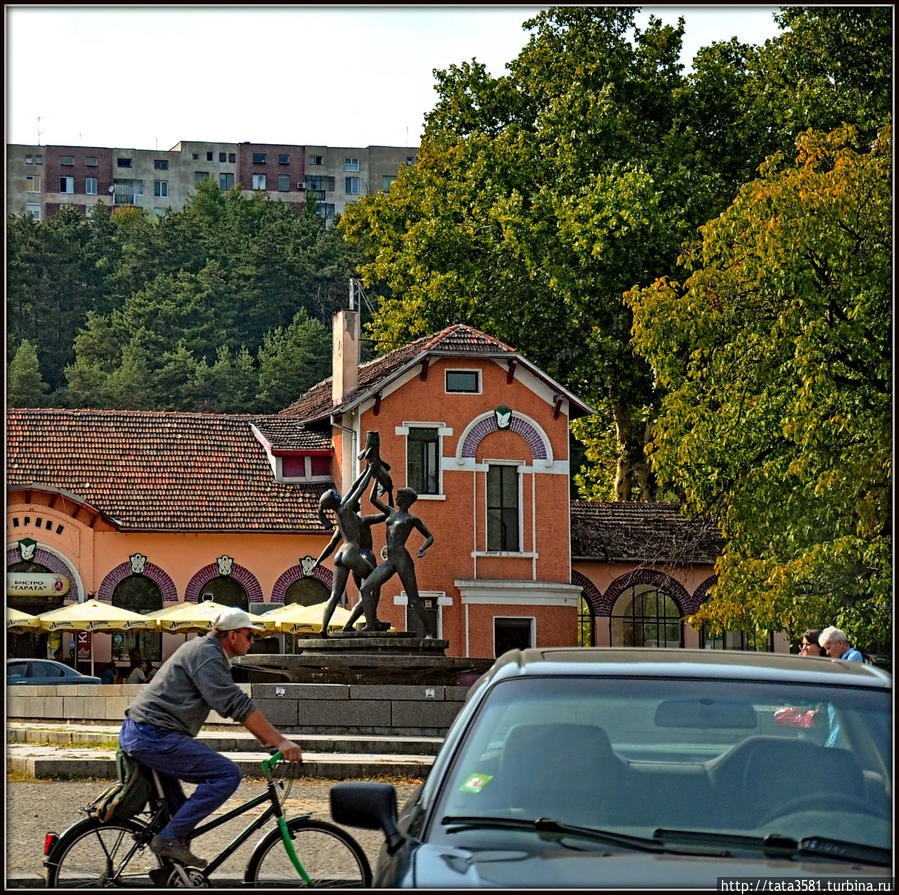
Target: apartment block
[40, 179]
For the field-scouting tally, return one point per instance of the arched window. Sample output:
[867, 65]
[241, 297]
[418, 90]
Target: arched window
[307, 592]
[584, 623]
[138, 594]
[644, 615]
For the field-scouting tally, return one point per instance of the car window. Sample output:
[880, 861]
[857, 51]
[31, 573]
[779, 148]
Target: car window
[639, 754]
[15, 670]
[46, 670]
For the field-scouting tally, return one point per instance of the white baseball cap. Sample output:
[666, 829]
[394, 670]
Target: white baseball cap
[233, 619]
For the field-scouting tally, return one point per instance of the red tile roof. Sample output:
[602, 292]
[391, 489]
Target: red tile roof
[638, 531]
[159, 471]
[458, 340]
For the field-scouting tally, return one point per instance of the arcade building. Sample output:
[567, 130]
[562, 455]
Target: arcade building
[149, 509]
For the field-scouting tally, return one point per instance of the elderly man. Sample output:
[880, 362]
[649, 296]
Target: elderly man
[163, 720]
[833, 642]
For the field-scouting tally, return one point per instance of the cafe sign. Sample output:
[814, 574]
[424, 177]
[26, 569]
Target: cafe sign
[36, 584]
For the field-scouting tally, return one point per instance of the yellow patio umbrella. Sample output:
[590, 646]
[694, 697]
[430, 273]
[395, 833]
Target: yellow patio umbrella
[93, 616]
[295, 618]
[18, 622]
[184, 618]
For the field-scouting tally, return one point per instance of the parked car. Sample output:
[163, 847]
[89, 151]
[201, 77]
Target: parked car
[647, 768]
[44, 671]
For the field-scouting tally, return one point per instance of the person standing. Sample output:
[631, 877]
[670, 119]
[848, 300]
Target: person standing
[808, 643]
[163, 720]
[834, 643]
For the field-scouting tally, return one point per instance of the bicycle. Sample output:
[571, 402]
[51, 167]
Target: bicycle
[299, 852]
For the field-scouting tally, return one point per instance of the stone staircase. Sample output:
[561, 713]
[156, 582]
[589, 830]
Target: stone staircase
[71, 750]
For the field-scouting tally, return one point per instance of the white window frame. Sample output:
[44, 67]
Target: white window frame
[523, 618]
[67, 160]
[351, 164]
[352, 185]
[34, 209]
[519, 475]
[477, 373]
[32, 183]
[68, 187]
[90, 186]
[443, 431]
[161, 189]
[402, 599]
[259, 182]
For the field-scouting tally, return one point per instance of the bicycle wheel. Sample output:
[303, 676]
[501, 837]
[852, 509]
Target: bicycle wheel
[331, 857]
[94, 855]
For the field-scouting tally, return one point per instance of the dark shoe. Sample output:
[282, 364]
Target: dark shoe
[176, 849]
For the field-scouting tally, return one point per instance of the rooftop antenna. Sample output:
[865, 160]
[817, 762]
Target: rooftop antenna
[38, 130]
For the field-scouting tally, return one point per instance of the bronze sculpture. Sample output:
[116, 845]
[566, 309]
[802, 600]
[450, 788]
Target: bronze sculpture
[356, 556]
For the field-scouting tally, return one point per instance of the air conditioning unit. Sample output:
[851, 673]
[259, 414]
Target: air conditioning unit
[301, 185]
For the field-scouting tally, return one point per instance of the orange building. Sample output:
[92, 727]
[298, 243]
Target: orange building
[147, 509]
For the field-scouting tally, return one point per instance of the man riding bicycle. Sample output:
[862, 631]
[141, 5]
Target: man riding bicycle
[163, 720]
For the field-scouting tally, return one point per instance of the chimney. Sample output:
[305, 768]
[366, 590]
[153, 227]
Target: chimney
[344, 354]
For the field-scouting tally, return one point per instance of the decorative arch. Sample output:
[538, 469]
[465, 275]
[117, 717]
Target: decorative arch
[480, 427]
[700, 594]
[670, 585]
[295, 573]
[589, 591]
[241, 575]
[122, 571]
[56, 564]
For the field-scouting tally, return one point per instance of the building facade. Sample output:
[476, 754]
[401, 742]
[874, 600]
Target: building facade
[40, 179]
[149, 509]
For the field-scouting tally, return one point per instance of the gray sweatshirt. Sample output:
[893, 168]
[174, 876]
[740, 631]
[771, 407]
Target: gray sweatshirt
[195, 679]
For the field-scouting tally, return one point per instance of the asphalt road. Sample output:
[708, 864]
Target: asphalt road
[34, 808]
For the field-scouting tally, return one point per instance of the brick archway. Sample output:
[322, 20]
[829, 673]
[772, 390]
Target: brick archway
[241, 575]
[55, 564]
[670, 585]
[295, 573]
[481, 427]
[122, 571]
[701, 592]
[589, 590]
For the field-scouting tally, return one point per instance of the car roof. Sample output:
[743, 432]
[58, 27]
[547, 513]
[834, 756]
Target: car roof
[686, 663]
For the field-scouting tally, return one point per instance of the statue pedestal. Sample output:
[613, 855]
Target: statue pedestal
[364, 658]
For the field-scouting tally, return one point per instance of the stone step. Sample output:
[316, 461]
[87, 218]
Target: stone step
[226, 739]
[42, 761]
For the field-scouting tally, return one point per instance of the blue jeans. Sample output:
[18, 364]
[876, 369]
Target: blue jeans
[216, 776]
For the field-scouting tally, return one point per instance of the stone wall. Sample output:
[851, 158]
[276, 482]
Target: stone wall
[389, 710]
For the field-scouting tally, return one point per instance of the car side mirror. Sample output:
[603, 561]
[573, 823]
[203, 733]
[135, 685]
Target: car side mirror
[371, 806]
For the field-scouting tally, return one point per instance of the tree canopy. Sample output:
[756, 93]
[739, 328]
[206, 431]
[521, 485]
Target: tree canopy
[176, 313]
[542, 195]
[775, 356]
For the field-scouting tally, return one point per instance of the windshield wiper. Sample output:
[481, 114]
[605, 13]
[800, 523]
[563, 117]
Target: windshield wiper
[774, 846]
[548, 825]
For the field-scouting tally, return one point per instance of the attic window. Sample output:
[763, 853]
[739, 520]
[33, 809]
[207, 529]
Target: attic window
[306, 467]
[467, 381]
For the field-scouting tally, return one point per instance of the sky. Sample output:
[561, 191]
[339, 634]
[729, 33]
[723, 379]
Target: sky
[146, 77]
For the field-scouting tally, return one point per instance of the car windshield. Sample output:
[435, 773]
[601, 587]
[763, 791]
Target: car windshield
[664, 758]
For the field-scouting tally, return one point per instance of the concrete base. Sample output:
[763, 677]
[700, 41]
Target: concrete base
[354, 658]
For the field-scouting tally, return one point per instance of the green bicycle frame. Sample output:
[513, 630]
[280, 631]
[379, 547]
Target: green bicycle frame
[267, 766]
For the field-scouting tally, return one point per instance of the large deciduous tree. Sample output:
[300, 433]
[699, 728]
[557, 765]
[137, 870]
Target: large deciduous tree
[542, 195]
[775, 357]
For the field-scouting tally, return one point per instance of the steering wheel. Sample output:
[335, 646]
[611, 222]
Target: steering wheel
[829, 801]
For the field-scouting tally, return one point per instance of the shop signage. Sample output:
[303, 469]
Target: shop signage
[37, 584]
